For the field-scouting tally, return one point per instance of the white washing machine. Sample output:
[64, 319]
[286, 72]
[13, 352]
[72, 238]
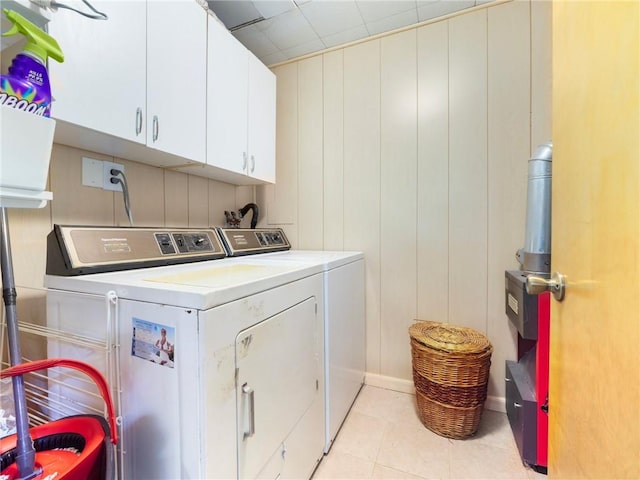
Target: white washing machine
[217, 366]
[344, 312]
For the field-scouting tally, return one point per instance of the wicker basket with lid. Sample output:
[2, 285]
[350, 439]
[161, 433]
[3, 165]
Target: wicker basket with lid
[450, 373]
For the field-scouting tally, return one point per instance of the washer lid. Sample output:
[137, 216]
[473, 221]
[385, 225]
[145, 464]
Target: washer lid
[200, 285]
[328, 259]
[223, 275]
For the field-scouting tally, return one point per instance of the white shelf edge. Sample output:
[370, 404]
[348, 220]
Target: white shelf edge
[19, 198]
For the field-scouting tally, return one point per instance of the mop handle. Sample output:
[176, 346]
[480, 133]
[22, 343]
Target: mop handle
[26, 454]
[90, 371]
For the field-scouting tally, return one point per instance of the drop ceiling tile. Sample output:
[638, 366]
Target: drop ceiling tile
[233, 14]
[377, 10]
[423, 3]
[332, 16]
[391, 23]
[289, 30]
[255, 40]
[299, 50]
[442, 7]
[274, 58]
[347, 36]
[271, 8]
[265, 24]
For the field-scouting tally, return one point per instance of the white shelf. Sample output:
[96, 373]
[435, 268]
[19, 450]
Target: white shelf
[16, 198]
[25, 151]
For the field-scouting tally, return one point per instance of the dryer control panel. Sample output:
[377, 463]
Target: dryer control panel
[245, 241]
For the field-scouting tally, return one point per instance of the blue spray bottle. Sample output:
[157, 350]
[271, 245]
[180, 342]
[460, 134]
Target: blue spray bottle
[26, 86]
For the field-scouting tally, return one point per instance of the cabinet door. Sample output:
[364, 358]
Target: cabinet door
[176, 78]
[262, 121]
[277, 382]
[101, 84]
[227, 84]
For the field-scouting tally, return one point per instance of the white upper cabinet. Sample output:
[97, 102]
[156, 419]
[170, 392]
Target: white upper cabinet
[241, 109]
[164, 83]
[261, 134]
[102, 83]
[177, 78]
[139, 76]
[227, 85]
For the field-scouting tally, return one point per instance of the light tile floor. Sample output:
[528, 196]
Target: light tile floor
[383, 438]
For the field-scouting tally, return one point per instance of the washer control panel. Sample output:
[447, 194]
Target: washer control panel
[76, 250]
[171, 243]
[245, 241]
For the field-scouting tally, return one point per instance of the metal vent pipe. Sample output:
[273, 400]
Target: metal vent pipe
[535, 256]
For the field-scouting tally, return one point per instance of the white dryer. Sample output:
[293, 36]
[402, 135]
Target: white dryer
[344, 313]
[217, 365]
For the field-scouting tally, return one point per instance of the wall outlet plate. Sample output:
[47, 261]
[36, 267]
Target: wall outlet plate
[107, 185]
[92, 172]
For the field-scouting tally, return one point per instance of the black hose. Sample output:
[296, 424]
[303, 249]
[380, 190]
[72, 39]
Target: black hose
[254, 215]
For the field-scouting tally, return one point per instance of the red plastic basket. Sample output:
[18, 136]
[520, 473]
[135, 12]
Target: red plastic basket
[73, 448]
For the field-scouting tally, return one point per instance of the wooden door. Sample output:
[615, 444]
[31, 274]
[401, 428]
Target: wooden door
[594, 397]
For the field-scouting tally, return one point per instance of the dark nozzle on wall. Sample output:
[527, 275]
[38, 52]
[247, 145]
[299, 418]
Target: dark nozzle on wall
[254, 216]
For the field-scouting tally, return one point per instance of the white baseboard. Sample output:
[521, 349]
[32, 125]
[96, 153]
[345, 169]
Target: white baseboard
[390, 383]
[497, 404]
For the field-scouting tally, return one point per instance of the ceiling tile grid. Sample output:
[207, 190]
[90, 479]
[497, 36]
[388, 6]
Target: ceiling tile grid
[279, 30]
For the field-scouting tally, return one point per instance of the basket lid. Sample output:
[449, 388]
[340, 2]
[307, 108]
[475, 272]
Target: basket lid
[449, 338]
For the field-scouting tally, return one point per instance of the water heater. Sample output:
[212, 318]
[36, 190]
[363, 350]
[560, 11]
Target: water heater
[527, 379]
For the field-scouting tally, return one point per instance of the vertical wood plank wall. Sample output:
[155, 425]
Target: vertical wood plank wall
[310, 140]
[433, 172]
[508, 145]
[398, 190]
[333, 152]
[362, 177]
[468, 170]
[413, 148]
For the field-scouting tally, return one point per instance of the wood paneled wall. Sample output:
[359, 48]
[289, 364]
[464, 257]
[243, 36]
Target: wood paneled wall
[413, 148]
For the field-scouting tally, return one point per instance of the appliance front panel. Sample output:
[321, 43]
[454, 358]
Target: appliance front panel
[344, 341]
[221, 330]
[278, 380]
[154, 384]
[160, 401]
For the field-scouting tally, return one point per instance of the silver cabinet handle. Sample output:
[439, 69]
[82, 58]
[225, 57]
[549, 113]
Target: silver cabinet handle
[156, 128]
[138, 121]
[556, 285]
[247, 393]
[517, 405]
[253, 163]
[244, 161]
